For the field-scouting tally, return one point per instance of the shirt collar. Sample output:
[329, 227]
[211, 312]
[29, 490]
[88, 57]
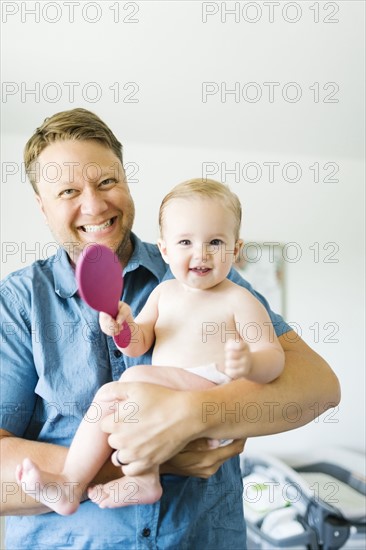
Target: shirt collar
[145, 255]
[64, 274]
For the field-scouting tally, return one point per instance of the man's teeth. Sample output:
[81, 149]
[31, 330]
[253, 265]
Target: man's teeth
[94, 228]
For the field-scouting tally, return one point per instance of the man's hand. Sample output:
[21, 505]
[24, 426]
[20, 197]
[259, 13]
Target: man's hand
[150, 423]
[198, 459]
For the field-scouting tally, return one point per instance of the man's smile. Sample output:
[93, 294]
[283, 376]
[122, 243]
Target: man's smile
[96, 228]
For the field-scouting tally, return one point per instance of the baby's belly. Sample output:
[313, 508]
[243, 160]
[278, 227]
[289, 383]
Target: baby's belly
[190, 355]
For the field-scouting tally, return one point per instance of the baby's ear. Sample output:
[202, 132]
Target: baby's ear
[162, 248]
[238, 246]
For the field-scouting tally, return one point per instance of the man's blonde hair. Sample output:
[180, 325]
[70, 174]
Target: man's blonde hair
[204, 188]
[76, 124]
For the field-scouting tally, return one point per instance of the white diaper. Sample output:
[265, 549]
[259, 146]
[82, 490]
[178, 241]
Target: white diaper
[210, 372]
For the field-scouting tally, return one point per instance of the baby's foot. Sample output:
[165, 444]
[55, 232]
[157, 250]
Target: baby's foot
[126, 491]
[54, 491]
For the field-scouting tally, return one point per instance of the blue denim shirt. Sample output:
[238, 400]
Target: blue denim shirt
[53, 360]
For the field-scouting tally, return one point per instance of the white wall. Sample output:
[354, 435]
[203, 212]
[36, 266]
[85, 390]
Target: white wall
[321, 225]
[166, 56]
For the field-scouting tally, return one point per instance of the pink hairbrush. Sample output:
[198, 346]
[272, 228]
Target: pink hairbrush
[100, 281]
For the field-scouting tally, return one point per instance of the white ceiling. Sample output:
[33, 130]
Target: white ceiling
[167, 55]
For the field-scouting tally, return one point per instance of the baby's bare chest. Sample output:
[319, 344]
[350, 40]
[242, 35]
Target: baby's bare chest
[195, 316]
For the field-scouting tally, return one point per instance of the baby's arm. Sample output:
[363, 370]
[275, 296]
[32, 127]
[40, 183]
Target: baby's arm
[261, 358]
[142, 328]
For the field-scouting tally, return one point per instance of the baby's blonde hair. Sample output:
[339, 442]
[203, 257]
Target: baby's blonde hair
[204, 188]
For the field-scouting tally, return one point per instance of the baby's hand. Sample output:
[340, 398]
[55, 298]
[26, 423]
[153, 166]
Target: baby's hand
[111, 326]
[238, 359]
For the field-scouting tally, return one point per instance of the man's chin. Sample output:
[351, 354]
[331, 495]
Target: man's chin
[122, 247]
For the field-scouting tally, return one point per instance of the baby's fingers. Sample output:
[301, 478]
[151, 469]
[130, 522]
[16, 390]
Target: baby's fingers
[124, 311]
[233, 346]
[108, 325]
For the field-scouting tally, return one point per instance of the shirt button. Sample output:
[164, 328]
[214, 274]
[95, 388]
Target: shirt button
[117, 353]
[146, 532]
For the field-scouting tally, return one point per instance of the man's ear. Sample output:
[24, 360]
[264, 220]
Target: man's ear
[162, 248]
[41, 207]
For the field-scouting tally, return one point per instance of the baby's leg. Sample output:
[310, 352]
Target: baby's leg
[56, 491]
[146, 488]
[88, 452]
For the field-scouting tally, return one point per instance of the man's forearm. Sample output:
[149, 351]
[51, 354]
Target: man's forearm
[48, 457]
[306, 388]
[166, 420]
[13, 451]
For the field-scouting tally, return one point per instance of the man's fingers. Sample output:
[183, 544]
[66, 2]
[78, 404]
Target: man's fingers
[228, 451]
[202, 464]
[235, 448]
[202, 445]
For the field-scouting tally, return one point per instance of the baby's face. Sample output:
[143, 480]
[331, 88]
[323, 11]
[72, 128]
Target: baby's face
[198, 241]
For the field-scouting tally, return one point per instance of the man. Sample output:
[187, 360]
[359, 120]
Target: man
[54, 358]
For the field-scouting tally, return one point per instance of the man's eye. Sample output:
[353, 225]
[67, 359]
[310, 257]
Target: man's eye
[108, 182]
[216, 242]
[185, 242]
[67, 192]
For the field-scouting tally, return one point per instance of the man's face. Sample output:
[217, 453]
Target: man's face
[84, 197]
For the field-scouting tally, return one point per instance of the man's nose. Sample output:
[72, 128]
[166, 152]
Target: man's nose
[93, 202]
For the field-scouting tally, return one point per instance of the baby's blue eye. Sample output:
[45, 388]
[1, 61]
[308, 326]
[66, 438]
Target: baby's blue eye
[216, 242]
